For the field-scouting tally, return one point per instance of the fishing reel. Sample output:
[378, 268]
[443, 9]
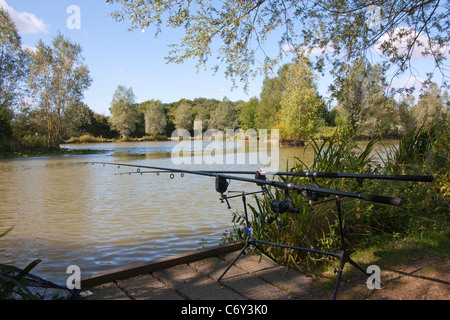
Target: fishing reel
[313, 195]
[222, 184]
[222, 187]
[287, 206]
[282, 206]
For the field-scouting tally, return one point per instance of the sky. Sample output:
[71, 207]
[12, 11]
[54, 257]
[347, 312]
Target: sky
[115, 56]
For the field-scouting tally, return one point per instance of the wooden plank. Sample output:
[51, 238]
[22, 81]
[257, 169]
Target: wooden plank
[287, 279]
[194, 285]
[240, 281]
[146, 287]
[133, 271]
[108, 291]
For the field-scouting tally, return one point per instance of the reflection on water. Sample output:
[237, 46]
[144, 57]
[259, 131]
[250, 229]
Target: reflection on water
[65, 212]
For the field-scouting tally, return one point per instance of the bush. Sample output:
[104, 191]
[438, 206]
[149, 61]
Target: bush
[421, 151]
[86, 138]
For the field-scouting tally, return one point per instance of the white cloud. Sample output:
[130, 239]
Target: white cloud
[29, 48]
[27, 23]
[401, 37]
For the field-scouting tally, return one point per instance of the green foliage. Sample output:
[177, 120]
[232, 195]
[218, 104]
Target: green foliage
[432, 106]
[240, 35]
[224, 116]
[300, 104]
[155, 117]
[77, 118]
[362, 100]
[85, 138]
[57, 80]
[184, 116]
[13, 286]
[124, 111]
[13, 73]
[425, 208]
[270, 103]
[247, 114]
[13, 63]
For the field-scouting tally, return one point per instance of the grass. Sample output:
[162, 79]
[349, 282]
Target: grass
[427, 244]
[87, 138]
[403, 263]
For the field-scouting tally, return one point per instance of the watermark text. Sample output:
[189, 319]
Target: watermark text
[74, 20]
[227, 147]
[74, 281]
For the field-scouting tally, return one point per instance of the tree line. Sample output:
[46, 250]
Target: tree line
[291, 103]
[42, 91]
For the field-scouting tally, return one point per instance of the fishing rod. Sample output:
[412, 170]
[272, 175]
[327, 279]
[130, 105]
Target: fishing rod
[287, 206]
[312, 192]
[415, 178]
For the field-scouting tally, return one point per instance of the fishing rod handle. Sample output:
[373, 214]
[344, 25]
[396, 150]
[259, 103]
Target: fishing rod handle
[366, 197]
[382, 199]
[398, 177]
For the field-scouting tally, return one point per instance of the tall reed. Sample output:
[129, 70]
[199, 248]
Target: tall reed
[317, 226]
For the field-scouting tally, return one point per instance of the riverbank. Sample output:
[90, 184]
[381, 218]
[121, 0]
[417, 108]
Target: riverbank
[91, 139]
[410, 270]
[40, 153]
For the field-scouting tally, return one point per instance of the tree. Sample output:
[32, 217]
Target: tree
[342, 31]
[432, 107]
[224, 116]
[202, 109]
[78, 117]
[155, 117]
[349, 93]
[124, 111]
[300, 104]
[364, 102]
[100, 127]
[406, 121]
[247, 114]
[13, 72]
[379, 116]
[57, 80]
[269, 105]
[184, 116]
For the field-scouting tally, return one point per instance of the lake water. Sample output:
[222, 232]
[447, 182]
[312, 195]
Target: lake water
[66, 212]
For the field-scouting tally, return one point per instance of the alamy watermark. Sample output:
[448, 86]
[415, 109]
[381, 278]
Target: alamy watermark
[374, 280]
[74, 19]
[73, 281]
[227, 147]
[374, 17]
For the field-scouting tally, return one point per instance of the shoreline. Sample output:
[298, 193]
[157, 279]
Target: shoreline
[81, 151]
[61, 152]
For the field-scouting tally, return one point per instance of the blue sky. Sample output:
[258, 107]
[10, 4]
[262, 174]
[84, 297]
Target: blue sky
[116, 56]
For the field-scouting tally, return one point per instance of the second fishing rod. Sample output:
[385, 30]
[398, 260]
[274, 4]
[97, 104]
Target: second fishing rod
[223, 178]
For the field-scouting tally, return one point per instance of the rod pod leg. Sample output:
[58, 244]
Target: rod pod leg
[344, 253]
[249, 241]
[247, 244]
